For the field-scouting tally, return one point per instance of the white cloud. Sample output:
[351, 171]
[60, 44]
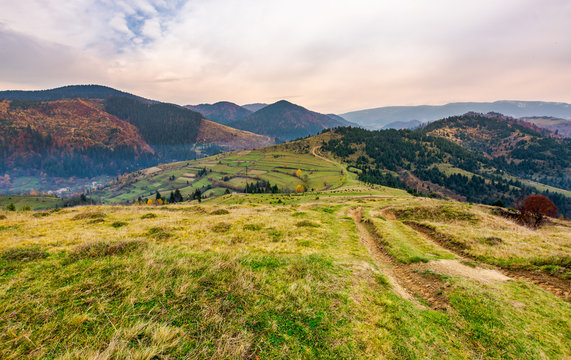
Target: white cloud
[330, 55]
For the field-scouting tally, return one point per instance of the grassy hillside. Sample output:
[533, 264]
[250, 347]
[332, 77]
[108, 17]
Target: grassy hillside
[231, 171]
[34, 202]
[280, 276]
[559, 126]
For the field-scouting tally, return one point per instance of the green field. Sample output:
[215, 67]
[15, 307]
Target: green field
[34, 202]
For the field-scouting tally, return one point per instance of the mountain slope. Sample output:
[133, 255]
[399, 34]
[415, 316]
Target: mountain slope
[222, 112]
[68, 92]
[379, 117]
[67, 138]
[519, 147]
[254, 107]
[89, 138]
[287, 121]
[431, 165]
[403, 125]
[559, 126]
[229, 138]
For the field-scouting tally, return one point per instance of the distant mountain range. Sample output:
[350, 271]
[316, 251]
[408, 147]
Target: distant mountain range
[282, 119]
[288, 121]
[411, 124]
[379, 117]
[222, 112]
[254, 107]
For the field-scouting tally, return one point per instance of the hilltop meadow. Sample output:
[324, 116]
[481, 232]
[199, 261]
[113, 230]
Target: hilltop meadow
[359, 272]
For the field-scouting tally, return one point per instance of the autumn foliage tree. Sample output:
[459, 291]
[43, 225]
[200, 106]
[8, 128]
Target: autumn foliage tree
[535, 208]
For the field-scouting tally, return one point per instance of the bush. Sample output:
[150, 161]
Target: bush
[535, 208]
[11, 207]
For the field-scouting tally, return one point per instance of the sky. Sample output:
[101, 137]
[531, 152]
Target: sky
[327, 55]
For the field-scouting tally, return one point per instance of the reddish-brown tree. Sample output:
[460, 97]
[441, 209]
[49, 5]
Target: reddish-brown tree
[535, 207]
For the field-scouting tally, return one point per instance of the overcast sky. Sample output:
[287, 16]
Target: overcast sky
[327, 55]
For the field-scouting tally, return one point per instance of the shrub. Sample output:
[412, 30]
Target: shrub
[2, 217]
[23, 254]
[11, 207]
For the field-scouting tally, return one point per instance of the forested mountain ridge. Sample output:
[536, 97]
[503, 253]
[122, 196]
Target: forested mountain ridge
[429, 164]
[519, 147]
[68, 92]
[88, 138]
[57, 138]
[287, 121]
[222, 112]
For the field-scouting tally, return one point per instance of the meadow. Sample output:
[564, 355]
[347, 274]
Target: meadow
[345, 273]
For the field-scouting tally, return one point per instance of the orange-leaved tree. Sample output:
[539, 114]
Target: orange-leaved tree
[534, 209]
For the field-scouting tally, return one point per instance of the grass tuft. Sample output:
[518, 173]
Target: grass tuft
[306, 223]
[23, 254]
[149, 216]
[220, 212]
[98, 249]
[158, 233]
[221, 227]
[93, 215]
[118, 224]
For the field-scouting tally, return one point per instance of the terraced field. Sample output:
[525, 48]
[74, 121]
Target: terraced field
[213, 175]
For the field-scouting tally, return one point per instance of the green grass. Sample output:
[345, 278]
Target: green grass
[405, 244]
[34, 202]
[168, 285]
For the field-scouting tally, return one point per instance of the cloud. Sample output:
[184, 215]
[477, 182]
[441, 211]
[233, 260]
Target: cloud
[334, 55]
[29, 61]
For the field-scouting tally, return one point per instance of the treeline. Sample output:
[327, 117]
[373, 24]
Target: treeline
[159, 124]
[261, 187]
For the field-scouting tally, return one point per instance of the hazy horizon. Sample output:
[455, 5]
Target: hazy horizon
[325, 55]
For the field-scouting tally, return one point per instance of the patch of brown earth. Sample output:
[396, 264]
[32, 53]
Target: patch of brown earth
[558, 287]
[406, 280]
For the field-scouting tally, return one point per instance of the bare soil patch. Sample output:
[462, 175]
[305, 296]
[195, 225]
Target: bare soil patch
[407, 280]
[558, 287]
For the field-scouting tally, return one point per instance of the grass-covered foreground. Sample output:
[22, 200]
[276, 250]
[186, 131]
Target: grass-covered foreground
[272, 277]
